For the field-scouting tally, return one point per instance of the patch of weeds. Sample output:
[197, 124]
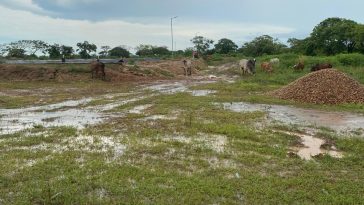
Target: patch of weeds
[131, 62]
[16, 102]
[134, 68]
[290, 128]
[324, 129]
[147, 72]
[358, 132]
[38, 129]
[165, 73]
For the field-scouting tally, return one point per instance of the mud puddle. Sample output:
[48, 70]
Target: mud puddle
[338, 121]
[85, 143]
[312, 146]
[159, 117]
[78, 114]
[139, 109]
[17, 121]
[168, 88]
[176, 87]
[60, 114]
[202, 92]
[118, 103]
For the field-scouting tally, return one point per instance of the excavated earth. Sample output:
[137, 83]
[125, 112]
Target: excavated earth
[327, 86]
[140, 71]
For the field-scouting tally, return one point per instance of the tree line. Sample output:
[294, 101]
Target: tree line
[38, 48]
[330, 37]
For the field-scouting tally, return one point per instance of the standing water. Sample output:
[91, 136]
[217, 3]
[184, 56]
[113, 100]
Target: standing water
[338, 121]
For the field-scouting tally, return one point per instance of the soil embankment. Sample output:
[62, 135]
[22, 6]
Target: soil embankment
[140, 71]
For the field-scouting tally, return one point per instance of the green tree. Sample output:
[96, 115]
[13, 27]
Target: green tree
[225, 46]
[3, 49]
[104, 51]
[188, 51]
[179, 52]
[201, 44]
[359, 38]
[85, 49]
[295, 45]
[119, 52]
[160, 51]
[67, 51]
[305, 46]
[31, 47]
[16, 52]
[54, 51]
[149, 50]
[334, 35]
[144, 50]
[37, 46]
[263, 45]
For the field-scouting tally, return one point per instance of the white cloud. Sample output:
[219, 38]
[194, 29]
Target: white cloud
[67, 3]
[26, 25]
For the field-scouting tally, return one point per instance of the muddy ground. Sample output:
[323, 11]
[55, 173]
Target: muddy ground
[192, 139]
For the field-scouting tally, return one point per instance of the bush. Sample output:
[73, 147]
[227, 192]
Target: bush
[131, 62]
[166, 73]
[354, 59]
[119, 52]
[287, 60]
[135, 68]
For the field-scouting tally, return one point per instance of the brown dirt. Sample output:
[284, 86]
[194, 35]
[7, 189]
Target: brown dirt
[175, 66]
[142, 71]
[21, 72]
[327, 86]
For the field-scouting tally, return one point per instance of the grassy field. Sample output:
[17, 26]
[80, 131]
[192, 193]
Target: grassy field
[196, 153]
[254, 88]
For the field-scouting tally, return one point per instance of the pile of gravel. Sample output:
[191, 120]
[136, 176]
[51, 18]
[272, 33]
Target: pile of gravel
[327, 86]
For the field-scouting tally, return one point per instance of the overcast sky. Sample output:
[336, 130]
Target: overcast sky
[134, 22]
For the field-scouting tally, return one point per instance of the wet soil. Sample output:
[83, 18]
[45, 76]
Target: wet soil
[338, 121]
[312, 146]
[78, 114]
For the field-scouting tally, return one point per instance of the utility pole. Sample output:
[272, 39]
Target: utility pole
[172, 32]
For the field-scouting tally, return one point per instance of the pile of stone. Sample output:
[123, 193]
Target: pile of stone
[327, 86]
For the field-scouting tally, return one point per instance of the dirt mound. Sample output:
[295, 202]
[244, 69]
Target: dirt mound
[25, 73]
[141, 71]
[173, 66]
[327, 86]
